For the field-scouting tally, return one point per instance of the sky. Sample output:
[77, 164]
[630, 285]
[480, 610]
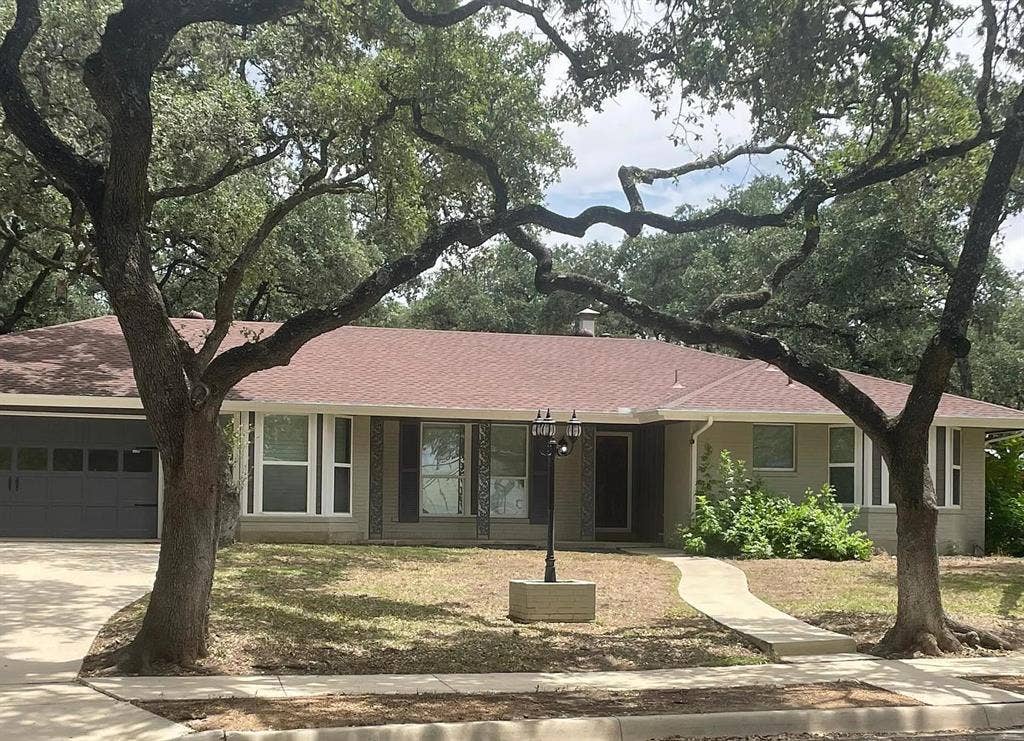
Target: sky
[625, 132]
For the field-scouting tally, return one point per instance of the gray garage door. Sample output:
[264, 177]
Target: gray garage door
[77, 478]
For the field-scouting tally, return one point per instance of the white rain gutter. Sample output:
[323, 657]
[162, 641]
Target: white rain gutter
[693, 460]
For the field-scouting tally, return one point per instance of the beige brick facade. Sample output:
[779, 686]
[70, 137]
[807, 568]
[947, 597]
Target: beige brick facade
[961, 530]
[558, 602]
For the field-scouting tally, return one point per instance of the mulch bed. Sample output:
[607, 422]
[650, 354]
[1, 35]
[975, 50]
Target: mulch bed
[367, 710]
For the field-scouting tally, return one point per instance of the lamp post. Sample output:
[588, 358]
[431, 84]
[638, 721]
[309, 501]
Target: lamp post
[544, 430]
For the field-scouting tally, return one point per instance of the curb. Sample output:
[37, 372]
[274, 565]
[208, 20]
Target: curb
[913, 719]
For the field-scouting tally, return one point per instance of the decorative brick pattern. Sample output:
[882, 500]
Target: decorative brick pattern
[376, 519]
[559, 602]
[588, 464]
[483, 479]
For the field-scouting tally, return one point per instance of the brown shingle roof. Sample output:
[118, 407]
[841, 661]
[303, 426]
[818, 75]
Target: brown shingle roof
[427, 369]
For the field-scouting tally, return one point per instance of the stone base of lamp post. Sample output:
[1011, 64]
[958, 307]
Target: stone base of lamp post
[537, 601]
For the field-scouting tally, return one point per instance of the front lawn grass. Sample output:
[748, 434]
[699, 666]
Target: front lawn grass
[859, 598]
[319, 609]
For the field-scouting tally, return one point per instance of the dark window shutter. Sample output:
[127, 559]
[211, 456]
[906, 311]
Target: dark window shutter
[409, 472]
[540, 483]
[474, 459]
[940, 466]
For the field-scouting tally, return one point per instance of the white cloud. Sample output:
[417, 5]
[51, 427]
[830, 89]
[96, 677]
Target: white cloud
[1012, 249]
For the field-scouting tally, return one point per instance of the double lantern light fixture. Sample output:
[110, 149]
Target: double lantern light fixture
[545, 431]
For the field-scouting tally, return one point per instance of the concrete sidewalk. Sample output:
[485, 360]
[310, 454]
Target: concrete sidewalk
[932, 682]
[719, 590]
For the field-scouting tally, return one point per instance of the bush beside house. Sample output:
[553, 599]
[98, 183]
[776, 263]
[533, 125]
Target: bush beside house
[1004, 497]
[736, 515]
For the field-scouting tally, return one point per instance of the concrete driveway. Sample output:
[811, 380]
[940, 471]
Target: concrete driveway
[54, 598]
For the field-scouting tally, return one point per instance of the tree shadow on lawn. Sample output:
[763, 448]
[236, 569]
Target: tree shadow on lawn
[368, 634]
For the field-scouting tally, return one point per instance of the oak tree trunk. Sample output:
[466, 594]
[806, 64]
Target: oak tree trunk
[921, 623]
[174, 630]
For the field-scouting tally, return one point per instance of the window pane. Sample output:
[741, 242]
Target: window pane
[442, 496]
[840, 445]
[442, 449]
[508, 498]
[5, 459]
[102, 461]
[285, 437]
[284, 488]
[956, 486]
[137, 460]
[343, 491]
[956, 447]
[342, 441]
[32, 459]
[840, 478]
[508, 451]
[68, 459]
[773, 446]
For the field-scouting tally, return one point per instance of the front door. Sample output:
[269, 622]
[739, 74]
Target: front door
[612, 481]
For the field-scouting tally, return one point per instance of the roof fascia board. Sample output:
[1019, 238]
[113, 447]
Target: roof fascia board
[27, 401]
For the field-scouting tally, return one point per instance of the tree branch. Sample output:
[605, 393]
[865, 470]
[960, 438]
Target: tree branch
[818, 376]
[229, 169]
[80, 174]
[487, 164]
[234, 364]
[629, 176]
[234, 275]
[951, 342]
[730, 303]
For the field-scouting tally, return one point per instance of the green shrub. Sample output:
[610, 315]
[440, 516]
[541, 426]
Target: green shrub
[1004, 497]
[736, 515]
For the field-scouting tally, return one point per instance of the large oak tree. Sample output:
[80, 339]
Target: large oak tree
[243, 141]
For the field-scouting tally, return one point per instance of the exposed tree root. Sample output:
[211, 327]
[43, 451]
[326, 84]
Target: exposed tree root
[951, 637]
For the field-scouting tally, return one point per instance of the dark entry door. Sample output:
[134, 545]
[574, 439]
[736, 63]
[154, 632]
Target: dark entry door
[612, 481]
[77, 478]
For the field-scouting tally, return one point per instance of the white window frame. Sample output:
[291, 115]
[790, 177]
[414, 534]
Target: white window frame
[467, 433]
[329, 465]
[857, 465]
[525, 478]
[867, 488]
[239, 454]
[792, 432]
[950, 466]
[947, 475]
[259, 463]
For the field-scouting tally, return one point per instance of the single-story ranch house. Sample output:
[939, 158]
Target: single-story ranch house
[412, 435]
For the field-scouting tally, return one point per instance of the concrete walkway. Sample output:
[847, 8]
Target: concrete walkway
[933, 682]
[54, 598]
[719, 590]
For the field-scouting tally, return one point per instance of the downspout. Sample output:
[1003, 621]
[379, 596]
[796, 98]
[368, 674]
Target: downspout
[693, 461]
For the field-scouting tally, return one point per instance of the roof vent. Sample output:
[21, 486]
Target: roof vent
[586, 323]
[677, 385]
[193, 315]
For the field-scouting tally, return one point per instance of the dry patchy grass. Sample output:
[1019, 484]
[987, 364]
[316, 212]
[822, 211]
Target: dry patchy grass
[312, 609]
[367, 710]
[859, 598]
